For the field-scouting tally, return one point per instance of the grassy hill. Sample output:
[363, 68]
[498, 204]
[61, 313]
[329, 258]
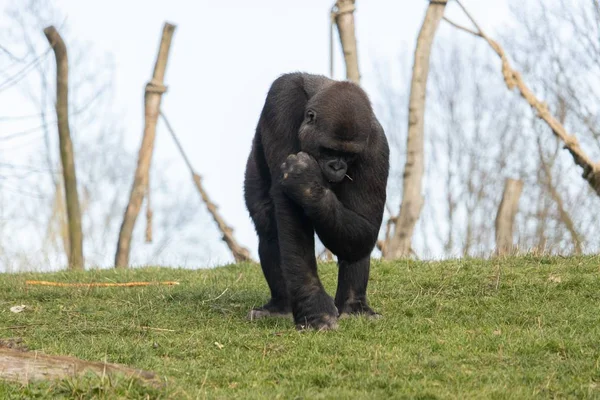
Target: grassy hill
[516, 328]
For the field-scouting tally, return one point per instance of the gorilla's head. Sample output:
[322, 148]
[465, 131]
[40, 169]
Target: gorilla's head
[336, 128]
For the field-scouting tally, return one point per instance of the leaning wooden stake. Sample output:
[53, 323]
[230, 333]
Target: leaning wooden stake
[513, 79]
[67, 157]
[152, 98]
[507, 211]
[239, 252]
[400, 243]
[343, 14]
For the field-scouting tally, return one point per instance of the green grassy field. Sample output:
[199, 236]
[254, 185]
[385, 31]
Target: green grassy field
[517, 328]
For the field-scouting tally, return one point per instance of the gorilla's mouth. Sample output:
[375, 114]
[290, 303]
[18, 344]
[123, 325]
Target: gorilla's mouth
[334, 170]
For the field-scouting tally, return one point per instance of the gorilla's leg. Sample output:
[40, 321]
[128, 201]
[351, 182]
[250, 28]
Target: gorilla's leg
[312, 307]
[262, 212]
[268, 251]
[351, 295]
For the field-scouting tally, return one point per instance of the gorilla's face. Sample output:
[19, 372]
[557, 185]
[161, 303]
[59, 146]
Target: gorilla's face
[335, 129]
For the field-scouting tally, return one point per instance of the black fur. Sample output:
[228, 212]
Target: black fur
[319, 163]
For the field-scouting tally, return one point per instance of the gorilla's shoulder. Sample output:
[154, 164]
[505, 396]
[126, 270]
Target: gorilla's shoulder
[310, 83]
[299, 75]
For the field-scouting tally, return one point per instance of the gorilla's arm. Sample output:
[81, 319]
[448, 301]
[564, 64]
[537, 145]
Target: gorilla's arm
[348, 231]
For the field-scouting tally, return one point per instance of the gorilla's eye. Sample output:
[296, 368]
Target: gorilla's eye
[329, 153]
[311, 116]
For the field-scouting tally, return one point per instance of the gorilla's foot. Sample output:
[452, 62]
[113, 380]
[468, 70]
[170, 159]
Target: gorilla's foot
[258, 313]
[316, 312]
[358, 309]
[271, 309]
[323, 322]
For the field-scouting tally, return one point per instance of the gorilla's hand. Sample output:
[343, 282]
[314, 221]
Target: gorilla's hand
[302, 178]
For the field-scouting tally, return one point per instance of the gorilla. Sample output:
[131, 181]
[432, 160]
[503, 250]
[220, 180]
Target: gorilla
[319, 163]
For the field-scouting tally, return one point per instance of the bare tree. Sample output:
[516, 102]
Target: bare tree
[154, 90]
[513, 79]
[558, 53]
[66, 148]
[412, 197]
[31, 221]
[476, 136]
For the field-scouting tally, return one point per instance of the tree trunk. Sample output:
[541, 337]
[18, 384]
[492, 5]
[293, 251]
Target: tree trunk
[153, 94]
[412, 198]
[507, 211]
[344, 19]
[67, 157]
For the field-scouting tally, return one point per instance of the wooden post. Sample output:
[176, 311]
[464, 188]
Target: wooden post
[505, 218]
[344, 19]
[67, 157]
[400, 244]
[152, 98]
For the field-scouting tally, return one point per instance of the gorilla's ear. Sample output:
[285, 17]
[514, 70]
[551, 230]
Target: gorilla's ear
[376, 130]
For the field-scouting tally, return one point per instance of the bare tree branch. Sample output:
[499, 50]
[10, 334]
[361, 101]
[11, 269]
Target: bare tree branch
[591, 170]
[563, 215]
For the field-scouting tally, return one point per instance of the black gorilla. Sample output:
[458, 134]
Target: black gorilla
[319, 162]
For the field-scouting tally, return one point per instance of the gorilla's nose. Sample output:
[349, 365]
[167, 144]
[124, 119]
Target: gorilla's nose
[336, 165]
[335, 170]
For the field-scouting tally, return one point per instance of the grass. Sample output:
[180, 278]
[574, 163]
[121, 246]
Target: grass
[517, 328]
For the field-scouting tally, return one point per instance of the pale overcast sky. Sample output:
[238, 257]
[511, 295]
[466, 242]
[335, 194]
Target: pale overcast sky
[224, 56]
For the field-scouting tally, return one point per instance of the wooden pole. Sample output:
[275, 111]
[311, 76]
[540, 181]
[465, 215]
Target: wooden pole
[67, 157]
[152, 98]
[400, 243]
[507, 211]
[344, 18]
